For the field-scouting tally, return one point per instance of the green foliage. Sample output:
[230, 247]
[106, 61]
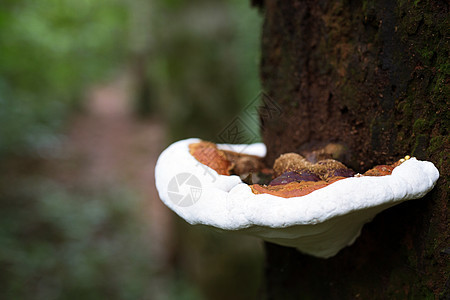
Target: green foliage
[60, 244]
[203, 63]
[50, 51]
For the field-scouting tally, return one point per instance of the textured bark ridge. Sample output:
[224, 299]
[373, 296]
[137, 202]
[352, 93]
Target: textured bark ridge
[372, 77]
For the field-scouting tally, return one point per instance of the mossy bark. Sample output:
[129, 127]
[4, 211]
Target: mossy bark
[374, 77]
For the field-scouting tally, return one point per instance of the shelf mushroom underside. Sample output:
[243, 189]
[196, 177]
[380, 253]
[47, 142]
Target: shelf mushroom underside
[320, 223]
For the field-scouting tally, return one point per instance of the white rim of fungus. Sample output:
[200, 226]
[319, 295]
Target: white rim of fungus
[341, 208]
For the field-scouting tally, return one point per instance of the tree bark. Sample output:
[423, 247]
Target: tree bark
[372, 76]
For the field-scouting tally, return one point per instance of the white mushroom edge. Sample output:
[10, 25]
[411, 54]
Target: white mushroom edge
[320, 223]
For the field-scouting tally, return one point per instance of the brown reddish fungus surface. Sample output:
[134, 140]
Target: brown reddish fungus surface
[292, 175]
[301, 176]
[225, 162]
[382, 170]
[292, 189]
[244, 163]
[208, 154]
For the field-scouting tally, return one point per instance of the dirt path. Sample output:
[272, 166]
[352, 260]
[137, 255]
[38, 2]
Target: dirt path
[107, 146]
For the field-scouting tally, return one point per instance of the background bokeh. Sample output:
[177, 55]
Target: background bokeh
[90, 93]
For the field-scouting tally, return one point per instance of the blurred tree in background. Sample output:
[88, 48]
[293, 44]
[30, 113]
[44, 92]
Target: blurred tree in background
[205, 65]
[193, 65]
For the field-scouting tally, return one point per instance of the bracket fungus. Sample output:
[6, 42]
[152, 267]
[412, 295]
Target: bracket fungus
[318, 208]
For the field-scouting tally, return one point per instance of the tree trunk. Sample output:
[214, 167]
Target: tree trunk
[372, 76]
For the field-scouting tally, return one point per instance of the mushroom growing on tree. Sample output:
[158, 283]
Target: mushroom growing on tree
[373, 76]
[318, 208]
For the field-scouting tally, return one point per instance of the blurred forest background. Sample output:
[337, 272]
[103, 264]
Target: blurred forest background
[91, 92]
